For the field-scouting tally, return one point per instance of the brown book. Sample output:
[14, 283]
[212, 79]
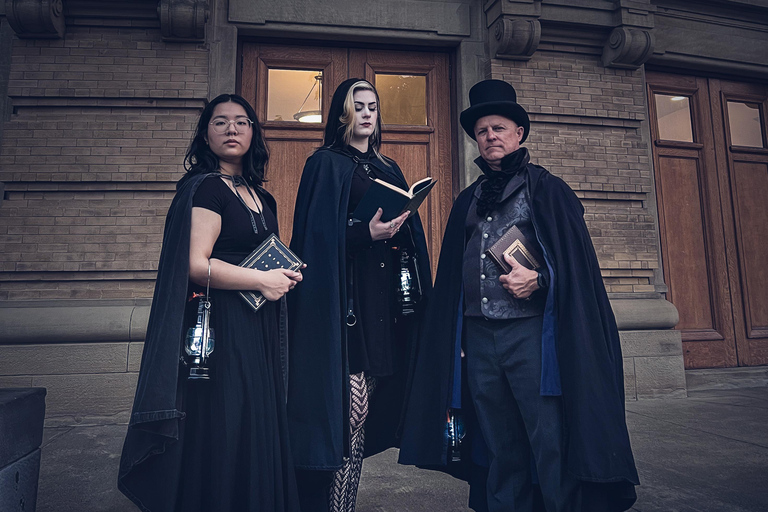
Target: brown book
[514, 243]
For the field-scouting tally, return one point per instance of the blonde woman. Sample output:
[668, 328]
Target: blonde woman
[350, 342]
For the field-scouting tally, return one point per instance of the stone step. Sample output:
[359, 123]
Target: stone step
[727, 378]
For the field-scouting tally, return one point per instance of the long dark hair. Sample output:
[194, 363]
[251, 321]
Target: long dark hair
[201, 160]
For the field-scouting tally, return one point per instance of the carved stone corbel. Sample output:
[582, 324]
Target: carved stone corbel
[628, 48]
[515, 39]
[183, 20]
[42, 19]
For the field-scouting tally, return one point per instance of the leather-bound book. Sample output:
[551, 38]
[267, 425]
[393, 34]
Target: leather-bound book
[514, 243]
[392, 200]
[271, 254]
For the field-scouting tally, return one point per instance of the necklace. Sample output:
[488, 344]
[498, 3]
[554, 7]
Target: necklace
[237, 181]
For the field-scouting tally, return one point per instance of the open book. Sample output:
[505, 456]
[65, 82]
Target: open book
[392, 199]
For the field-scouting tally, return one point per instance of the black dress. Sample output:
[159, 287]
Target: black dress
[374, 343]
[236, 454]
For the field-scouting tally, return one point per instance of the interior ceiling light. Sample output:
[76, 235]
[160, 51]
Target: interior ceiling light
[310, 116]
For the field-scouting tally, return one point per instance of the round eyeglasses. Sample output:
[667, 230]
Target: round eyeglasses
[242, 124]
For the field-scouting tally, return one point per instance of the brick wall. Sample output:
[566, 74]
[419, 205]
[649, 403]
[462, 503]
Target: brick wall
[101, 121]
[586, 123]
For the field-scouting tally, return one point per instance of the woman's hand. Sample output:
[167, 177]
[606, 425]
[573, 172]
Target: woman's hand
[385, 230]
[275, 283]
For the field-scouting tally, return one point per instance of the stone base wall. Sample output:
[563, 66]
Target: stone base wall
[87, 354]
[653, 364]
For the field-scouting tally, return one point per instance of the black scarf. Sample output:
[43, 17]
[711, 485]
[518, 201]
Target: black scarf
[496, 181]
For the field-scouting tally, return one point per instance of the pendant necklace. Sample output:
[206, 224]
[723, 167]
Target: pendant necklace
[238, 180]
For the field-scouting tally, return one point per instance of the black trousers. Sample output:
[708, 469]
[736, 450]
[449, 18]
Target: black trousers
[523, 430]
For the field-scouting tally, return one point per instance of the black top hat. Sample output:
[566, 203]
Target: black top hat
[494, 97]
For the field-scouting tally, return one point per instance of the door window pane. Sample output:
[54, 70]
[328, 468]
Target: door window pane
[403, 99]
[744, 122]
[294, 95]
[673, 114]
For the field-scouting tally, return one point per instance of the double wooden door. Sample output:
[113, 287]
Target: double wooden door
[415, 93]
[711, 168]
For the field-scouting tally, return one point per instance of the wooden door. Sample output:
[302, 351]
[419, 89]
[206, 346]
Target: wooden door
[417, 137]
[290, 142]
[420, 150]
[739, 122]
[713, 216]
[690, 220]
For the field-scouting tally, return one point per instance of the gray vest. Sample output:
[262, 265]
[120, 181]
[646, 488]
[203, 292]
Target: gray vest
[483, 294]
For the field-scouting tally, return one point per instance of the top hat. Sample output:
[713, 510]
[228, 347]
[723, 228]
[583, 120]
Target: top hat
[494, 97]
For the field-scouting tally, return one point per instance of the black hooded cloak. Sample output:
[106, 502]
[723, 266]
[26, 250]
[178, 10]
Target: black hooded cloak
[318, 391]
[585, 335]
[150, 480]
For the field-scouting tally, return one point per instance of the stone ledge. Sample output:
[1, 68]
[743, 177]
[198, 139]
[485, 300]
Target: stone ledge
[82, 321]
[74, 321]
[644, 314]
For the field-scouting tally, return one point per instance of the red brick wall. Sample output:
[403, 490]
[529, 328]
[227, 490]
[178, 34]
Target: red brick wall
[586, 128]
[101, 121]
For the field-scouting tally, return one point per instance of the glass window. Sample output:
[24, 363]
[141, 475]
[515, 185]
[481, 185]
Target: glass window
[744, 122]
[673, 114]
[403, 99]
[294, 95]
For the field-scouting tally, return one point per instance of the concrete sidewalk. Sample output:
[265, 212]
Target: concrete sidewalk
[704, 453]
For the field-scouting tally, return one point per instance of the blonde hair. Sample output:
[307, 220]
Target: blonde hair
[347, 118]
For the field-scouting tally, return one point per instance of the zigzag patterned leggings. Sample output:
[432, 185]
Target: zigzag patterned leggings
[343, 495]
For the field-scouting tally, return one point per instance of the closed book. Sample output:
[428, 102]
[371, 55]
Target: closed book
[271, 254]
[514, 244]
[393, 200]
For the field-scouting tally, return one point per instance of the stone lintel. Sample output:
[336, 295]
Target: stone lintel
[405, 16]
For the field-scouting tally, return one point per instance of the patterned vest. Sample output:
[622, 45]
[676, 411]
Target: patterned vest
[483, 293]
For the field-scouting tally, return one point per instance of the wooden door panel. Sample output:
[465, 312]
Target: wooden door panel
[435, 138]
[690, 226]
[290, 143]
[413, 159]
[687, 265]
[743, 175]
[750, 184]
[286, 160]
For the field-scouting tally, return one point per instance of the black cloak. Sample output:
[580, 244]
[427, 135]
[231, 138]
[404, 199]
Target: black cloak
[151, 482]
[585, 335]
[318, 391]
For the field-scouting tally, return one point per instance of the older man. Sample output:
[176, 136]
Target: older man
[532, 360]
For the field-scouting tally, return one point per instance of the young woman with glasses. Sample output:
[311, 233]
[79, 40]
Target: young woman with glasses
[222, 443]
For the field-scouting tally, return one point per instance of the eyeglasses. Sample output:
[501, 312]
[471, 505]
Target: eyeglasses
[242, 124]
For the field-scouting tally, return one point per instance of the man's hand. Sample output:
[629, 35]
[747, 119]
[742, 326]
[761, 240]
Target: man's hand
[520, 282]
